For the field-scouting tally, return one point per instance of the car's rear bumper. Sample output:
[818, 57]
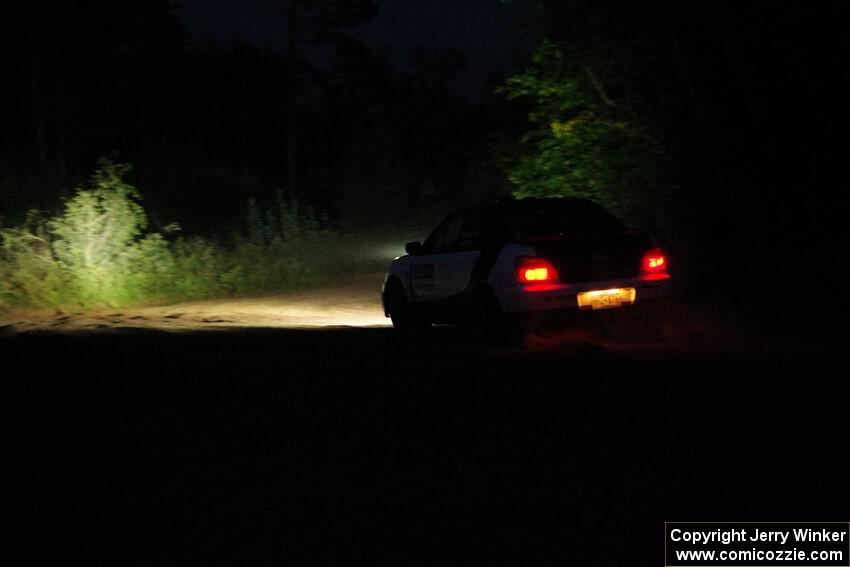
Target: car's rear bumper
[552, 297]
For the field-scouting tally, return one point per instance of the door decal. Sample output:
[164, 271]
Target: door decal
[423, 275]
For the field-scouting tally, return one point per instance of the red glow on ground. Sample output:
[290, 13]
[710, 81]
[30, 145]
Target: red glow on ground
[655, 276]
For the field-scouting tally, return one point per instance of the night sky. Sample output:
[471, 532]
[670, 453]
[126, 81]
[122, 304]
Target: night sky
[490, 33]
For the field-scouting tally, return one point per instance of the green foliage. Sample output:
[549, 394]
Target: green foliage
[97, 252]
[30, 276]
[97, 238]
[196, 269]
[279, 245]
[583, 143]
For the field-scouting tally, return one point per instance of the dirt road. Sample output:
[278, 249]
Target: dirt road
[678, 329]
[356, 303]
[349, 445]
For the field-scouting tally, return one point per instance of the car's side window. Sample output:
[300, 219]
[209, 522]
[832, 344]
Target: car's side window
[445, 237]
[472, 234]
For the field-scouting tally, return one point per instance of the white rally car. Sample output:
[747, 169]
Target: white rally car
[516, 258]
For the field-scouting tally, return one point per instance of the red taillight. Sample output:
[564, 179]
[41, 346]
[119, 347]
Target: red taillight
[535, 270]
[654, 261]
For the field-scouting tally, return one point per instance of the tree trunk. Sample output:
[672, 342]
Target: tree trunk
[37, 107]
[291, 129]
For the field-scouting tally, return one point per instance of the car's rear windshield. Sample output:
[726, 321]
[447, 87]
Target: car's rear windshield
[551, 219]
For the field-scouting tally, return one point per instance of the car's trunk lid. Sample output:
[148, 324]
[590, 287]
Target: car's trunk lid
[595, 256]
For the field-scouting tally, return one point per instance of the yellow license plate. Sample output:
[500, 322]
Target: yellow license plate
[606, 298]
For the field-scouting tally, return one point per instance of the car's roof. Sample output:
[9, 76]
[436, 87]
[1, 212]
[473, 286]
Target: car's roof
[505, 205]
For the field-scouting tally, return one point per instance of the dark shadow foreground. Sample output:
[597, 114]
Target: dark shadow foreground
[350, 446]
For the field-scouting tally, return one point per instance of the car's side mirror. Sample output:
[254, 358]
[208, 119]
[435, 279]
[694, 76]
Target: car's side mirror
[413, 248]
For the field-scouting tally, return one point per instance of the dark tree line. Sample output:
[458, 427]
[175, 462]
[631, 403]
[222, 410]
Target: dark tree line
[324, 119]
[737, 122]
[728, 118]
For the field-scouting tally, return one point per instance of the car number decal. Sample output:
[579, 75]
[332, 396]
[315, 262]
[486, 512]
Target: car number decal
[423, 275]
